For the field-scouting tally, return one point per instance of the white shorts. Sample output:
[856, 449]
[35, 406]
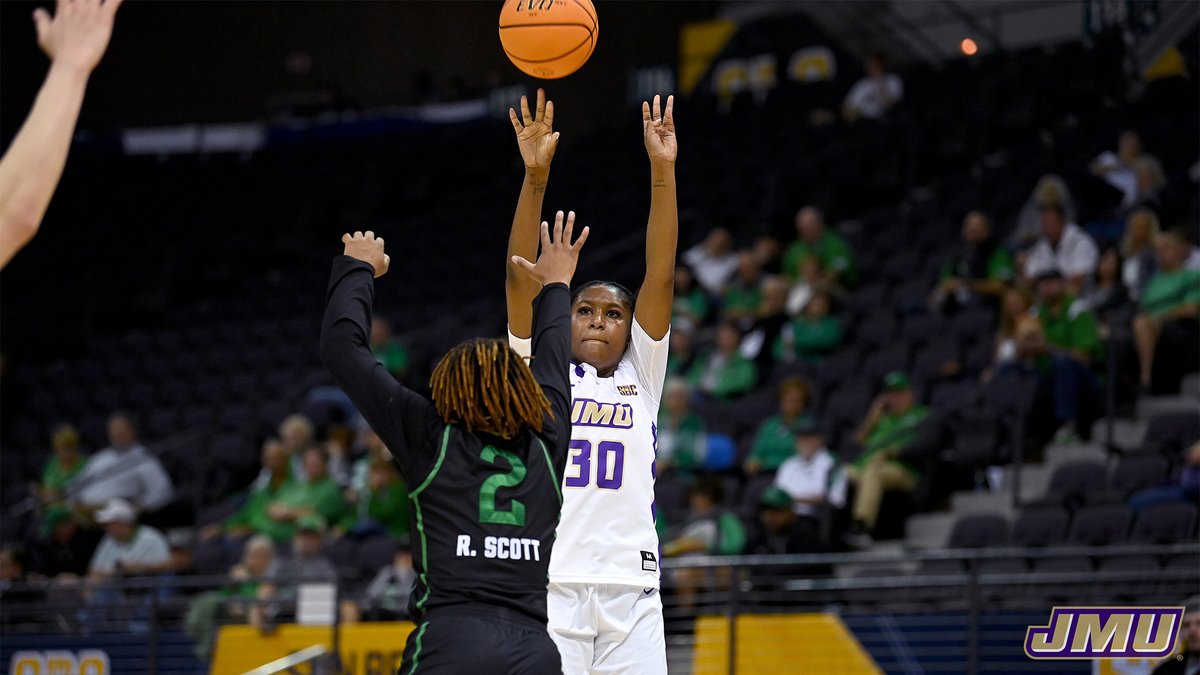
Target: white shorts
[607, 629]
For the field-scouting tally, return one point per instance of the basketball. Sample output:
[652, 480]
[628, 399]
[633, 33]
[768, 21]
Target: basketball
[548, 39]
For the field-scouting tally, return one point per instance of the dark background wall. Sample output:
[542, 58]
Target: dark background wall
[173, 62]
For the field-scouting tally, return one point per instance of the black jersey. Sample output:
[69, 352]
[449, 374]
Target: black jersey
[484, 509]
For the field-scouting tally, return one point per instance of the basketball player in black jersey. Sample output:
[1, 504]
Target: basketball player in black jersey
[483, 459]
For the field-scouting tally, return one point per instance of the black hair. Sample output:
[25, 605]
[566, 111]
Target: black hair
[624, 295]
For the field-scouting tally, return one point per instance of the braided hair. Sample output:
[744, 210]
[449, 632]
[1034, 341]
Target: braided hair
[485, 386]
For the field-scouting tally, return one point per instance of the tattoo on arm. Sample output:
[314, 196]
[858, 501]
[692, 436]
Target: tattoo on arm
[660, 182]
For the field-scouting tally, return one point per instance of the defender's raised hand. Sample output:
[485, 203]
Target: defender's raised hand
[559, 256]
[78, 33]
[365, 247]
[536, 136]
[658, 130]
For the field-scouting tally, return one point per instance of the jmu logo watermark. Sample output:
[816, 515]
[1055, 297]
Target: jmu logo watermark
[1105, 633]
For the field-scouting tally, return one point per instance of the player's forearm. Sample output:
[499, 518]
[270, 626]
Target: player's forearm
[346, 324]
[523, 241]
[662, 227]
[30, 169]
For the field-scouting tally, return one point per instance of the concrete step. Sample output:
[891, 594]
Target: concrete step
[983, 501]
[1057, 455]
[1150, 405]
[928, 530]
[1127, 434]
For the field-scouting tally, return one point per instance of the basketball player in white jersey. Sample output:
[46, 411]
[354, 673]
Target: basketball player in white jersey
[603, 604]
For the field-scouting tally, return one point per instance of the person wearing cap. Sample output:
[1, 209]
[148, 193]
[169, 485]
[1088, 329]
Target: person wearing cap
[1070, 326]
[127, 548]
[890, 425]
[1187, 660]
[1063, 246]
[775, 442]
[66, 463]
[805, 475]
[780, 530]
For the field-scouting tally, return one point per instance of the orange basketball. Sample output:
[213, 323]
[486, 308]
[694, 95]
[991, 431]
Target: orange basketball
[548, 39]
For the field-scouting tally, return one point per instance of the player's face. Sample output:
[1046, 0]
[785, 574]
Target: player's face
[600, 325]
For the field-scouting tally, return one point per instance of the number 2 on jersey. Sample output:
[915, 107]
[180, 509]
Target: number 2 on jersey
[610, 464]
[488, 513]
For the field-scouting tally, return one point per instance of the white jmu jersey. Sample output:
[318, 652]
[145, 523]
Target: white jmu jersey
[606, 534]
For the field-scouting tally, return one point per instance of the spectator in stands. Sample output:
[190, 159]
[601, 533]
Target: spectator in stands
[780, 530]
[381, 507]
[62, 468]
[680, 358]
[1015, 305]
[307, 565]
[713, 261]
[1062, 379]
[768, 251]
[805, 475]
[812, 335]
[681, 432]
[317, 494]
[1166, 325]
[710, 529]
[723, 372]
[75, 39]
[759, 342]
[874, 95]
[127, 549]
[235, 600]
[1137, 247]
[66, 550]
[372, 450]
[691, 303]
[1119, 169]
[812, 281]
[890, 425]
[255, 515]
[124, 470]
[388, 350]
[1050, 190]
[1070, 327]
[386, 598]
[297, 434]
[338, 449]
[979, 271]
[743, 295]
[1184, 485]
[1187, 662]
[775, 441]
[1064, 247]
[1107, 292]
[818, 241]
[1151, 185]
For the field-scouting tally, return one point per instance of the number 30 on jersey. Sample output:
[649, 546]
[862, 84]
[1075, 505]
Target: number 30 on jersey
[608, 458]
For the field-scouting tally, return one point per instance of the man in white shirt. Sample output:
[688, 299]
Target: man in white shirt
[1064, 247]
[874, 95]
[805, 476]
[127, 548]
[713, 261]
[124, 470]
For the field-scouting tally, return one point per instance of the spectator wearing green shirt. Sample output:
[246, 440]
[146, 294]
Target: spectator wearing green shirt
[744, 293]
[775, 441]
[680, 357]
[690, 306]
[978, 272]
[723, 372]
[1166, 325]
[380, 507]
[388, 350]
[253, 517]
[812, 335]
[710, 529]
[890, 426]
[816, 240]
[681, 432]
[1074, 344]
[66, 463]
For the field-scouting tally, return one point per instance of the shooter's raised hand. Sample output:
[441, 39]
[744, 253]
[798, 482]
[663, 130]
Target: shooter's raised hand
[536, 137]
[78, 33]
[658, 130]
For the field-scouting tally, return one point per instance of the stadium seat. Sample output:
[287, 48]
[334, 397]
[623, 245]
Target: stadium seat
[1040, 526]
[978, 531]
[1164, 523]
[1098, 525]
[1072, 481]
[1170, 432]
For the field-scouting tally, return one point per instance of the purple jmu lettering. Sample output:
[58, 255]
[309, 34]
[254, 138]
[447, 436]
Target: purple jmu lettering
[588, 413]
[1105, 633]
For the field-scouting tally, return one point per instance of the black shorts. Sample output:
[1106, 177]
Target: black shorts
[455, 640]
